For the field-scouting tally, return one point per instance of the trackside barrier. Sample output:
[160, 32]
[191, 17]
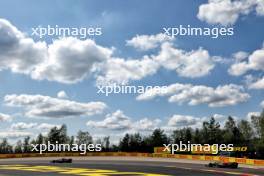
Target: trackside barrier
[132, 154]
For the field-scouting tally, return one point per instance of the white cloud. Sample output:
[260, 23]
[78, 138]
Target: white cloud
[239, 68]
[66, 60]
[19, 53]
[255, 62]
[260, 7]
[122, 71]
[46, 126]
[196, 63]
[71, 60]
[45, 106]
[181, 120]
[115, 121]
[5, 117]
[146, 124]
[192, 64]
[23, 126]
[250, 114]
[227, 12]
[14, 134]
[262, 104]
[147, 42]
[220, 117]
[62, 94]
[240, 56]
[220, 96]
[255, 83]
[119, 121]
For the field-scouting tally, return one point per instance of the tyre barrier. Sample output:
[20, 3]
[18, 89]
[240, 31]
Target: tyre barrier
[133, 154]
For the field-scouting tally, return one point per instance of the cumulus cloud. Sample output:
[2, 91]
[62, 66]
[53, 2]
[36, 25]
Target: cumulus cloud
[19, 53]
[23, 126]
[250, 114]
[147, 42]
[146, 124]
[46, 126]
[196, 63]
[71, 60]
[240, 56]
[5, 117]
[62, 94]
[45, 106]
[220, 96]
[254, 83]
[66, 60]
[180, 121]
[14, 134]
[115, 121]
[122, 71]
[193, 64]
[254, 62]
[262, 104]
[227, 12]
[26, 126]
[119, 121]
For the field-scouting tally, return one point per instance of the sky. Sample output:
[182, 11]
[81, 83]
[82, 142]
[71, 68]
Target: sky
[53, 80]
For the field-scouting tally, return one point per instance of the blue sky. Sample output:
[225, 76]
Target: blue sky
[121, 21]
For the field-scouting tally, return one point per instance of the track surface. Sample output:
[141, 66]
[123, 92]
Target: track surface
[101, 167]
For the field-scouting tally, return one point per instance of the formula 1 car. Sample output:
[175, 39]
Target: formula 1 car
[232, 165]
[63, 160]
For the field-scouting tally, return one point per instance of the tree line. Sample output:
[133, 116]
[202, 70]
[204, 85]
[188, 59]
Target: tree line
[240, 133]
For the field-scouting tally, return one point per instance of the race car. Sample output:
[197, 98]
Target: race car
[232, 165]
[63, 160]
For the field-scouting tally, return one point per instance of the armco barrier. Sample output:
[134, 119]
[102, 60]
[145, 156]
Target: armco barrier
[162, 155]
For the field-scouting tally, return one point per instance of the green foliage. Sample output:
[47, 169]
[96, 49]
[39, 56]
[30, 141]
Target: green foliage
[239, 133]
[84, 137]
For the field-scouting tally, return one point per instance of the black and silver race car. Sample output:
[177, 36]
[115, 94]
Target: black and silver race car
[63, 160]
[232, 165]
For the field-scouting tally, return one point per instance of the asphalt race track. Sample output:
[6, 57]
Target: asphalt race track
[105, 167]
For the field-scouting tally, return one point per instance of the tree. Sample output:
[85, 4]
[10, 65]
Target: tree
[258, 123]
[5, 147]
[64, 139]
[184, 135]
[54, 135]
[197, 137]
[124, 143]
[158, 138]
[211, 132]
[19, 147]
[58, 135]
[26, 145]
[106, 143]
[246, 131]
[40, 139]
[231, 132]
[135, 142]
[71, 140]
[84, 137]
